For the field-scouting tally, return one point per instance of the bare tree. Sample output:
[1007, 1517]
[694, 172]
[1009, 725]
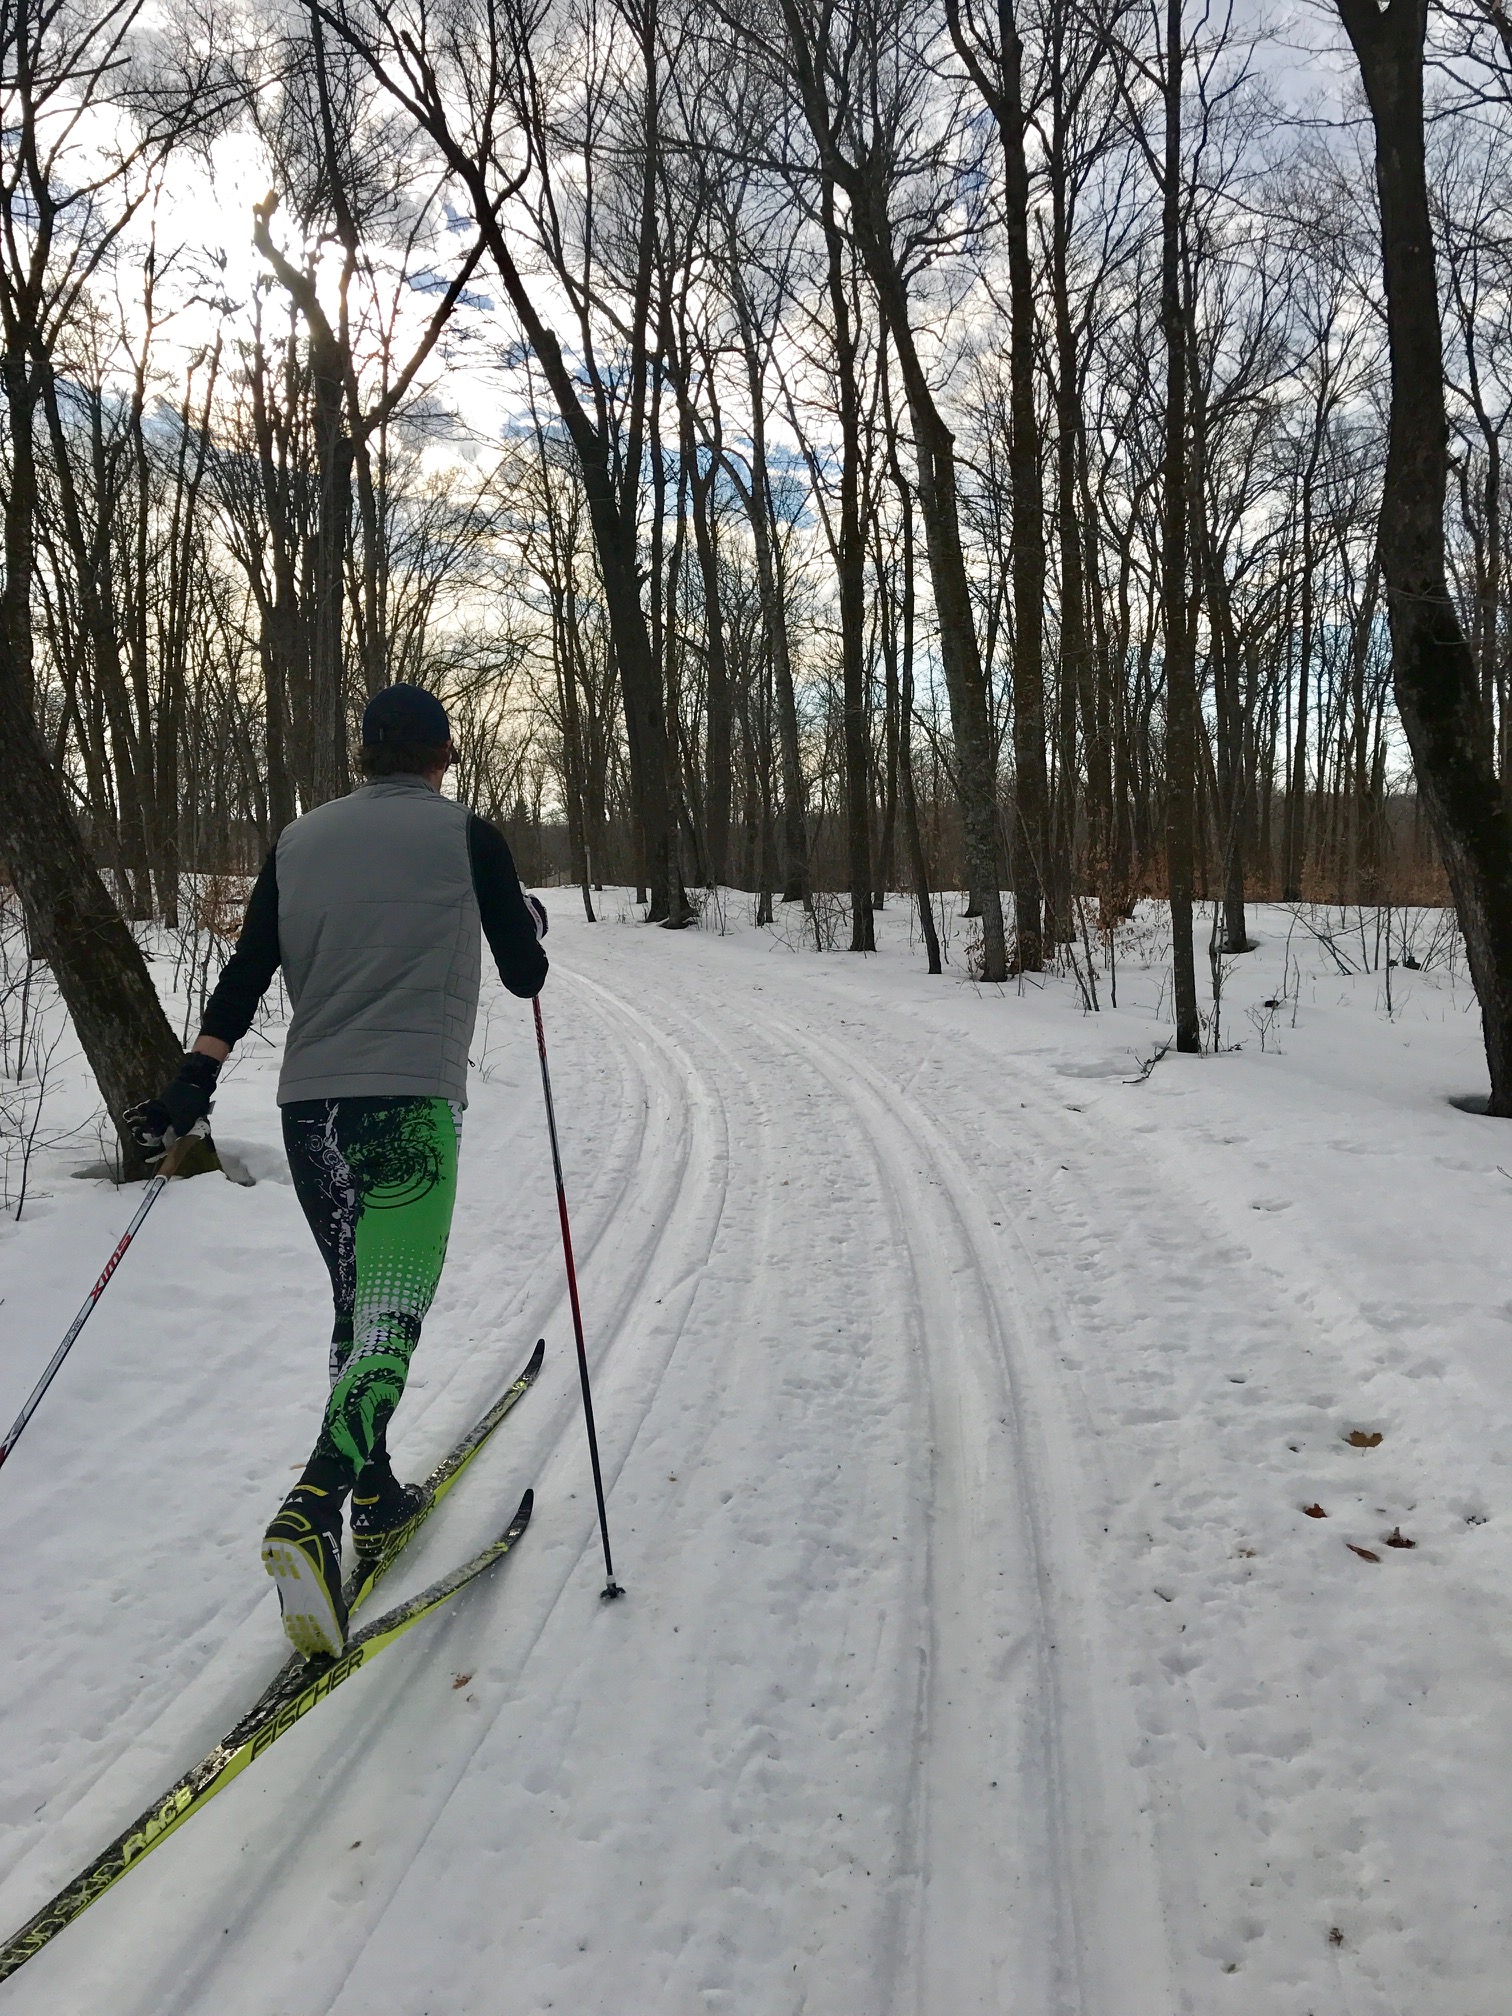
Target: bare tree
[60, 221]
[1433, 668]
[857, 78]
[481, 65]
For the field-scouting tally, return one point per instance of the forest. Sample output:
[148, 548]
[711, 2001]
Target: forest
[839, 450]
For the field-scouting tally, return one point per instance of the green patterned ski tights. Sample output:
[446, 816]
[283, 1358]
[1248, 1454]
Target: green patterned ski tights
[377, 1178]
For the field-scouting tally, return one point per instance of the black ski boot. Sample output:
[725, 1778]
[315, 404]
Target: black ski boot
[301, 1550]
[385, 1512]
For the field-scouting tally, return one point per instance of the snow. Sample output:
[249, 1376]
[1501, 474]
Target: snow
[961, 1391]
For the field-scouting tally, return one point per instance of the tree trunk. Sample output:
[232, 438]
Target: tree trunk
[330, 774]
[719, 782]
[1437, 690]
[965, 683]
[1294, 838]
[1230, 777]
[1082, 665]
[1180, 668]
[758, 502]
[1031, 791]
[850, 563]
[905, 733]
[886, 866]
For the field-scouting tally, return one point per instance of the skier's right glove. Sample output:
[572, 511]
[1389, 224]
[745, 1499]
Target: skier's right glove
[185, 1101]
[537, 911]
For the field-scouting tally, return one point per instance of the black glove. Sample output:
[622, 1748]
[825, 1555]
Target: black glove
[537, 911]
[157, 1123]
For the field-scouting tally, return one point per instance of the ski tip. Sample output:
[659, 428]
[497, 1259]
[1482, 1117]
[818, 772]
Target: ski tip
[535, 1358]
[526, 1507]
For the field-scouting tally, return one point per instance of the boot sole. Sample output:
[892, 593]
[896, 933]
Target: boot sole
[309, 1616]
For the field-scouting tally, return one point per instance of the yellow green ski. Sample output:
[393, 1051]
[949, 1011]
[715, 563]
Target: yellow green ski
[299, 1686]
[286, 1702]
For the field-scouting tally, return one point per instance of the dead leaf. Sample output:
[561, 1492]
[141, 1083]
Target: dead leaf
[459, 1681]
[1363, 1552]
[1335, 1936]
[1397, 1538]
[1362, 1438]
[1315, 1511]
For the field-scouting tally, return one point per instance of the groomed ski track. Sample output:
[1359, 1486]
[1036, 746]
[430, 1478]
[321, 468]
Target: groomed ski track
[899, 1361]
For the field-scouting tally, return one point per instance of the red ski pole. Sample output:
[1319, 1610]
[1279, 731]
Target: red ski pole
[167, 1168]
[611, 1587]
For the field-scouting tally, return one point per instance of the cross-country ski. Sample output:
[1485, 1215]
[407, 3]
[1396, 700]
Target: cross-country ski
[297, 1687]
[284, 1704]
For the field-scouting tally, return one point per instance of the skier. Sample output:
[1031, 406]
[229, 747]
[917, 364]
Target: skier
[372, 905]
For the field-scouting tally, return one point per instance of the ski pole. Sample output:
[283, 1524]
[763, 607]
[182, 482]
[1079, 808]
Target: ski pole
[166, 1169]
[611, 1587]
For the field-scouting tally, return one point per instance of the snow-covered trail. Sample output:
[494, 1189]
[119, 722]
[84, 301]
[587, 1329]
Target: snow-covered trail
[957, 1403]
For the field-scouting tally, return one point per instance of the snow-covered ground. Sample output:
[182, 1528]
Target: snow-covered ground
[963, 1394]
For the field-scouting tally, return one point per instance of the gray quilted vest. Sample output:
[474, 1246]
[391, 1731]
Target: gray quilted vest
[380, 941]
